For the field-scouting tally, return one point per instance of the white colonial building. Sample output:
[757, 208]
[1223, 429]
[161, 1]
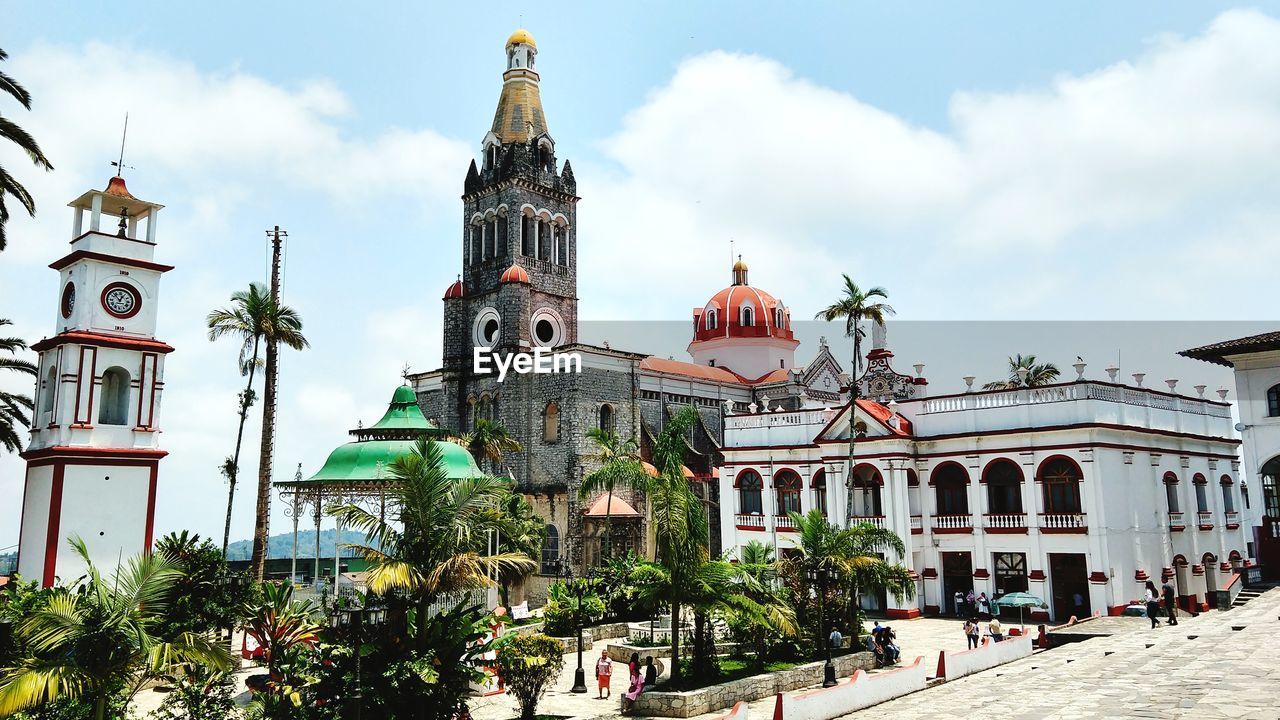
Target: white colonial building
[1256, 361]
[1078, 492]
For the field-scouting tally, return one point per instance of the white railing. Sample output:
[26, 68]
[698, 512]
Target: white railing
[952, 522]
[1231, 517]
[917, 523]
[783, 522]
[876, 520]
[1063, 521]
[1006, 521]
[749, 520]
[1204, 519]
[778, 419]
[1177, 519]
[1073, 391]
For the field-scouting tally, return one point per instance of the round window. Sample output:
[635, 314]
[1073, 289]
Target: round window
[490, 331]
[545, 326]
[488, 328]
[546, 331]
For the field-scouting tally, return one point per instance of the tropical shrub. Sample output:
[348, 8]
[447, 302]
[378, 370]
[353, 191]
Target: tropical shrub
[202, 694]
[203, 600]
[562, 613]
[613, 583]
[527, 664]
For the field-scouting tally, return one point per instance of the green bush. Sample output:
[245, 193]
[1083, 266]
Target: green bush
[562, 605]
[527, 664]
[202, 695]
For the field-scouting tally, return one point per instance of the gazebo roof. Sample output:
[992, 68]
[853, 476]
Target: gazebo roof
[615, 508]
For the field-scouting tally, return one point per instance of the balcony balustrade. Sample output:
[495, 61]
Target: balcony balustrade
[1232, 519]
[1063, 523]
[876, 520]
[1205, 520]
[917, 525]
[784, 523]
[1006, 522]
[1177, 521]
[749, 521]
[952, 523]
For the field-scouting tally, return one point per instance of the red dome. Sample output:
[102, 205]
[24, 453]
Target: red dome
[724, 317]
[456, 290]
[515, 274]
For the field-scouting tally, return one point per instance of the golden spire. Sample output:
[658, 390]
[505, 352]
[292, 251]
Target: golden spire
[519, 115]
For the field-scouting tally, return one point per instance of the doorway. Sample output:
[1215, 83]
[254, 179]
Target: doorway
[1010, 573]
[957, 575]
[1069, 576]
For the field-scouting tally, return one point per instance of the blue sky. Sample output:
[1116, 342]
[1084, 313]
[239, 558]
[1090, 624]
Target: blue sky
[1000, 161]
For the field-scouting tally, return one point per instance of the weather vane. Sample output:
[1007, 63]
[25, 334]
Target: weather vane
[119, 164]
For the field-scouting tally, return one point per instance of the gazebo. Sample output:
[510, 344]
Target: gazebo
[357, 471]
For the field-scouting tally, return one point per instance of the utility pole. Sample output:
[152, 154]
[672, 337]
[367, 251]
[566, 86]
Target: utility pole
[262, 524]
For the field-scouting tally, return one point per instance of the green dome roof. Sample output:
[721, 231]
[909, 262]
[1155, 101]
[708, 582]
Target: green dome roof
[367, 459]
[358, 461]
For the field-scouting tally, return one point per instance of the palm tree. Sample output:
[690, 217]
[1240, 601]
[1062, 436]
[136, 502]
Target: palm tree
[620, 467]
[854, 556]
[435, 543]
[1037, 374]
[256, 319]
[489, 441]
[11, 132]
[854, 306]
[13, 407]
[758, 571]
[519, 530]
[91, 641]
[244, 321]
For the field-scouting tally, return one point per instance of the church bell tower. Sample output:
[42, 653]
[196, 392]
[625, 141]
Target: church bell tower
[93, 459]
[518, 286]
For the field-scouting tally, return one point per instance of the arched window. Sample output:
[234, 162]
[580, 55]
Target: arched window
[1273, 401]
[114, 408]
[1228, 500]
[486, 241]
[473, 255]
[500, 242]
[786, 485]
[606, 417]
[551, 423]
[544, 240]
[779, 318]
[1004, 487]
[1061, 481]
[1271, 488]
[526, 236]
[819, 487]
[1171, 492]
[950, 489]
[550, 551]
[713, 321]
[749, 493]
[864, 493]
[1202, 493]
[1244, 494]
[748, 316]
[49, 389]
[562, 245]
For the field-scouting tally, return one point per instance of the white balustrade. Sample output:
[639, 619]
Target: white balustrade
[783, 522]
[1073, 391]
[876, 520]
[1205, 519]
[917, 523]
[1006, 521]
[1232, 517]
[952, 522]
[749, 521]
[1177, 520]
[1063, 521]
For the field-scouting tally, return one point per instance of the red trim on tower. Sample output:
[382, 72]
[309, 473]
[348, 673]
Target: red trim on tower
[151, 504]
[55, 521]
[95, 339]
[113, 259]
[90, 456]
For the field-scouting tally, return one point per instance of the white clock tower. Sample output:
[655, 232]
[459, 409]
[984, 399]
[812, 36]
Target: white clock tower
[95, 450]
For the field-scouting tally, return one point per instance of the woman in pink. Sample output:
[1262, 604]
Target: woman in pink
[604, 673]
[629, 697]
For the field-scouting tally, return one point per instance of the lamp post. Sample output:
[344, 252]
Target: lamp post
[819, 576]
[356, 619]
[234, 584]
[564, 570]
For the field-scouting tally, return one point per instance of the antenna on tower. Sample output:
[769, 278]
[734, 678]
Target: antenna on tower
[119, 164]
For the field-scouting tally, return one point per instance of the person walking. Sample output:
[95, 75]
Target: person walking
[1153, 604]
[1170, 602]
[835, 639]
[971, 632]
[604, 673]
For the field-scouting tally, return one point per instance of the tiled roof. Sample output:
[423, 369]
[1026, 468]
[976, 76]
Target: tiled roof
[882, 414]
[617, 507]
[1218, 352]
[703, 372]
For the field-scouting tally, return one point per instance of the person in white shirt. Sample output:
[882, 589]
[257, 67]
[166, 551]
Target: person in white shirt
[1153, 604]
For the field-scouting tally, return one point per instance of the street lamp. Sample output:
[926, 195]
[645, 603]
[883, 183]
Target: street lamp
[356, 619]
[820, 576]
[235, 584]
[564, 570]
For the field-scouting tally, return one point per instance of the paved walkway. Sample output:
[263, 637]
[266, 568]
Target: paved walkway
[558, 700]
[1217, 665]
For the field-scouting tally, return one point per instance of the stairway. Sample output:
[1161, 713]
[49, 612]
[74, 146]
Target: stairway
[1245, 596]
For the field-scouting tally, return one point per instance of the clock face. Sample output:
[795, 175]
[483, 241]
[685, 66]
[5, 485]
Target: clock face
[121, 300]
[68, 300]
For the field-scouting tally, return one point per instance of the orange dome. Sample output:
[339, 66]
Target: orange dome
[456, 290]
[515, 274]
[742, 311]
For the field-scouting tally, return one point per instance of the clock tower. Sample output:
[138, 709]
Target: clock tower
[93, 460]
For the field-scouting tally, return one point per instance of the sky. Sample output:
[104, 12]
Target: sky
[1081, 162]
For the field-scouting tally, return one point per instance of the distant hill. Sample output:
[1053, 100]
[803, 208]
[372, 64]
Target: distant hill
[281, 546]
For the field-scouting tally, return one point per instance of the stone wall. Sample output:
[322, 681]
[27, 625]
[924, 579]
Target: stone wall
[755, 687]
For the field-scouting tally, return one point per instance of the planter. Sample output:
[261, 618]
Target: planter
[717, 697]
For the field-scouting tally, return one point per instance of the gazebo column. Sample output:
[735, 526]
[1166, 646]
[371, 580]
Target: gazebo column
[315, 572]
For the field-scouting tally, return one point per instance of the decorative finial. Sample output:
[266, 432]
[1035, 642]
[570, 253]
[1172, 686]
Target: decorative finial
[119, 164]
[968, 382]
[1079, 365]
[404, 373]
[1137, 378]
